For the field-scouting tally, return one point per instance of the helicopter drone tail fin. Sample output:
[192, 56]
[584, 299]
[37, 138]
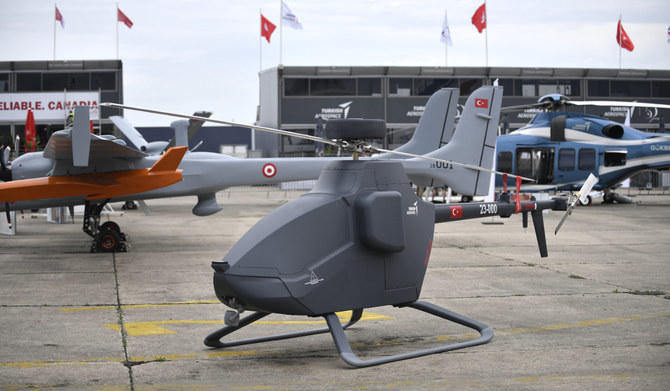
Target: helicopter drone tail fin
[473, 143]
[436, 125]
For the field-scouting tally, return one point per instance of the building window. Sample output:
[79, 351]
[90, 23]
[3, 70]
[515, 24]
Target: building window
[332, 87]
[427, 87]
[67, 81]
[103, 81]
[504, 163]
[627, 88]
[468, 86]
[507, 85]
[587, 159]
[369, 86]
[400, 87]
[660, 89]
[28, 81]
[566, 159]
[599, 87]
[4, 82]
[295, 87]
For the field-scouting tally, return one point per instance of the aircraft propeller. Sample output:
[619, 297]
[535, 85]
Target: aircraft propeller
[353, 146]
[581, 195]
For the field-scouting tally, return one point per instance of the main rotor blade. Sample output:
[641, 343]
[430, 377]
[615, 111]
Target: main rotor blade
[465, 165]
[231, 123]
[616, 103]
[524, 107]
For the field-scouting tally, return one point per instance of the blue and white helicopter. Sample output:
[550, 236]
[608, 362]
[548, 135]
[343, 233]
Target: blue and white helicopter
[559, 148]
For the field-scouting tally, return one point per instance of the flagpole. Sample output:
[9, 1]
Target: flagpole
[281, 37]
[260, 48]
[55, 8]
[117, 31]
[486, 36]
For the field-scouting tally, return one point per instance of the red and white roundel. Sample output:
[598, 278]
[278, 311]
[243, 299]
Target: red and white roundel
[269, 170]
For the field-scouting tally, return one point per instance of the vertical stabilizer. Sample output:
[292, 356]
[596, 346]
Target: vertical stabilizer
[473, 143]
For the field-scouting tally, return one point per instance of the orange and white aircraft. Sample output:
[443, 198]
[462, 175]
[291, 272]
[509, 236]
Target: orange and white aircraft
[92, 168]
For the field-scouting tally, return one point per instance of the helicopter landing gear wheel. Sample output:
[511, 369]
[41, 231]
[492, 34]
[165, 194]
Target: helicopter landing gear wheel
[588, 202]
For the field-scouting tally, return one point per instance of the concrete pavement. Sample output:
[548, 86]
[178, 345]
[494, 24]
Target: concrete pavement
[593, 315]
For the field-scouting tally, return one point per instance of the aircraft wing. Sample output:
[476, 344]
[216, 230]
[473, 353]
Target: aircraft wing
[94, 186]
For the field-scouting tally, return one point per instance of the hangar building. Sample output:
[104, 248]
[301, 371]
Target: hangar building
[298, 97]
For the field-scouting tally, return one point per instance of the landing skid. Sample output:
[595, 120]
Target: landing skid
[107, 237]
[214, 340]
[337, 332]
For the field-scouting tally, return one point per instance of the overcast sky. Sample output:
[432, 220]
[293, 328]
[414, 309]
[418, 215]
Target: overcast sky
[183, 55]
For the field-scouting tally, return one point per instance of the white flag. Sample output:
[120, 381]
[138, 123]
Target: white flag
[446, 34]
[289, 17]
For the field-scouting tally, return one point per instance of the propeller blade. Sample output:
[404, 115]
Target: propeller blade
[616, 103]
[231, 123]
[579, 196]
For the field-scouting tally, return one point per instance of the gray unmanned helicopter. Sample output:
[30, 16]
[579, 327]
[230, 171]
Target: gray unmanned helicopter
[362, 238]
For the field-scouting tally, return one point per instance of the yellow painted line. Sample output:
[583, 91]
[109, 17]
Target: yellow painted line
[137, 329]
[585, 323]
[113, 307]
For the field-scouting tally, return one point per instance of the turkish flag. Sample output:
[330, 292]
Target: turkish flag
[623, 39]
[59, 18]
[121, 17]
[482, 103]
[267, 28]
[456, 212]
[30, 132]
[479, 18]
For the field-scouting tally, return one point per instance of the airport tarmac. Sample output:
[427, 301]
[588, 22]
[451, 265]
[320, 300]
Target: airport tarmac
[593, 315]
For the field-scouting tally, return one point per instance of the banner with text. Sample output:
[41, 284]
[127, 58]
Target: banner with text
[46, 106]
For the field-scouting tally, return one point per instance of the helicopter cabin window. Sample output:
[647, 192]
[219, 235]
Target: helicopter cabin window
[537, 163]
[587, 159]
[566, 159]
[615, 158]
[504, 163]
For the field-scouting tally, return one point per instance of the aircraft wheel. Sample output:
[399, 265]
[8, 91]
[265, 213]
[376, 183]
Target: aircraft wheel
[608, 199]
[110, 225]
[588, 202]
[108, 241]
[466, 198]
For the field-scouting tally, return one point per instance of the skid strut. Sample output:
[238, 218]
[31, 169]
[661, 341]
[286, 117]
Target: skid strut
[214, 339]
[337, 332]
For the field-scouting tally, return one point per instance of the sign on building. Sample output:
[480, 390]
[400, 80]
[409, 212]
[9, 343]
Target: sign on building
[46, 106]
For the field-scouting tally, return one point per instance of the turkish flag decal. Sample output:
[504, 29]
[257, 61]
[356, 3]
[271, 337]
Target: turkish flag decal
[456, 212]
[482, 103]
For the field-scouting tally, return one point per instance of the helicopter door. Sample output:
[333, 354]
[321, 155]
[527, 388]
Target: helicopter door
[537, 163]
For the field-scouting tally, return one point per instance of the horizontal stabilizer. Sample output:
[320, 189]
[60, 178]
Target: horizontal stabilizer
[170, 160]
